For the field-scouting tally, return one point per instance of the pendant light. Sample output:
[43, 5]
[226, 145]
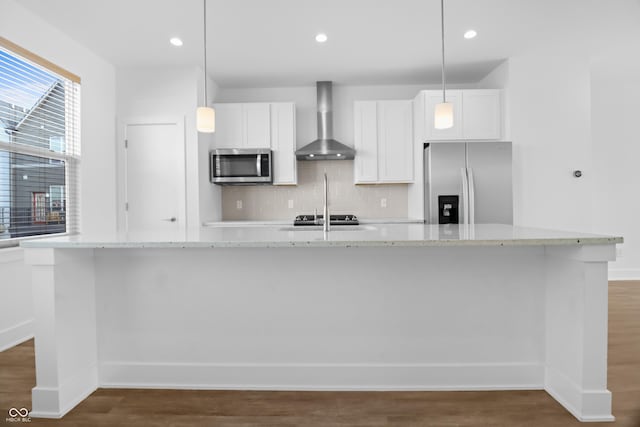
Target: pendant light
[443, 117]
[205, 116]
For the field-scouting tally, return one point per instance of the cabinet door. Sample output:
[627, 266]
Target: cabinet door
[434, 97]
[283, 143]
[366, 142]
[228, 126]
[481, 111]
[257, 125]
[395, 141]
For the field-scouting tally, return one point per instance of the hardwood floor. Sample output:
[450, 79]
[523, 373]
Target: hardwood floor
[327, 409]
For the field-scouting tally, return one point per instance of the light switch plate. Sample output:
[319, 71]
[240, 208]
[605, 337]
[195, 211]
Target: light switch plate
[383, 203]
[290, 204]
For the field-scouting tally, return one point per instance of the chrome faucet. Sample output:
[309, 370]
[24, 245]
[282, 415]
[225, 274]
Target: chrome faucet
[327, 219]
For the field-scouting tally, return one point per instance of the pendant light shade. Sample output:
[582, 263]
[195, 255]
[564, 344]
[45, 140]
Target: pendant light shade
[205, 116]
[206, 119]
[443, 114]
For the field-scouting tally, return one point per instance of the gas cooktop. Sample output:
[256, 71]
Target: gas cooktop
[333, 220]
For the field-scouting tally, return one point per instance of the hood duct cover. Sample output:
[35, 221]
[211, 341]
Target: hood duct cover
[325, 147]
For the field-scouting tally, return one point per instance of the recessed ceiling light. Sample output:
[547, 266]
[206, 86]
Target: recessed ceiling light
[311, 155]
[175, 41]
[321, 38]
[470, 34]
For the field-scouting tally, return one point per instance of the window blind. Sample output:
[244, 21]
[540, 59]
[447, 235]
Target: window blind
[39, 147]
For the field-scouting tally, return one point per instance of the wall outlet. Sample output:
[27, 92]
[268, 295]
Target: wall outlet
[290, 203]
[383, 203]
[238, 204]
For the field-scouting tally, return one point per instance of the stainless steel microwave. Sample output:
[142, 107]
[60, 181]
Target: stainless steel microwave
[240, 166]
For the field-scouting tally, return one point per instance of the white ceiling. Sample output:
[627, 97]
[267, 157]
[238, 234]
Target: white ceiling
[270, 43]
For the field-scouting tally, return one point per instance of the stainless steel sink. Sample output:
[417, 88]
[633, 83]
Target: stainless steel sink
[335, 228]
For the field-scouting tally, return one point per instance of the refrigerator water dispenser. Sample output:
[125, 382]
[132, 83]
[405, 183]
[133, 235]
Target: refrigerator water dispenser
[448, 209]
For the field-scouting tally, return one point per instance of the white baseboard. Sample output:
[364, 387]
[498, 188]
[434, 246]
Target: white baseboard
[15, 335]
[573, 398]
[624, 274]
[56, 402]
[323, 377]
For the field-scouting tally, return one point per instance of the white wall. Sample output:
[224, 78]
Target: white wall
[16, 306]
[574, 105]
[549, 102]
[97, 169]
[616, 146]
[615, 100]
[166, 93]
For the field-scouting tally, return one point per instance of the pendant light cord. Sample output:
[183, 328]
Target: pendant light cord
[444, 97]
[205, 51]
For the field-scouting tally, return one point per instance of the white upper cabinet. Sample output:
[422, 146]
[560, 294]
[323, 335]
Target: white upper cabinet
[432, 99]
[366, 142]
[383, 142]
[257, 125]
[395, 141]
[283, 143]
[477, 114]
[229, 133]
[246, 125]
[482, 114]
[261, 125]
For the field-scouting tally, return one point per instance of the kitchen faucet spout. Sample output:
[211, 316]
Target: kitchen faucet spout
[327, 219]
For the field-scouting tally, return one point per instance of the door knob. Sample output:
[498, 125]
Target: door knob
[172, 219]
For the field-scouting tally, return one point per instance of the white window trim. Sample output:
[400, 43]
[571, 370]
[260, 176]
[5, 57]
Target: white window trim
[72, 161]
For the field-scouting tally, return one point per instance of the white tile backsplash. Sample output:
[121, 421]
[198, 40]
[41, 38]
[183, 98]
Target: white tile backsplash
[271, 202]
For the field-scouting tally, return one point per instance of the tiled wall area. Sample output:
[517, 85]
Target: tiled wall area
[272, 202]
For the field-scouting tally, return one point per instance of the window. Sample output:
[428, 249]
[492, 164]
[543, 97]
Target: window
[39, 146]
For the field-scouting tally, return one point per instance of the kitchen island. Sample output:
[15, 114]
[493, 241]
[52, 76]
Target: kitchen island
[374, 307]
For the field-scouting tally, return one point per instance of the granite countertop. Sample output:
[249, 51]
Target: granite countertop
[367, 235]
[250, 223]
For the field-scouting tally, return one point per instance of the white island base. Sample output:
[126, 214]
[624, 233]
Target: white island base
[385, 314]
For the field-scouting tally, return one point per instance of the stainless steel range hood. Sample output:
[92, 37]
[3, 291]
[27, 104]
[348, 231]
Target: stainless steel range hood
[325, 147]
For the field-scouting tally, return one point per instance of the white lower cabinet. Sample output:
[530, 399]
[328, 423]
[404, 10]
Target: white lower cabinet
[283, 143]
[383, 142]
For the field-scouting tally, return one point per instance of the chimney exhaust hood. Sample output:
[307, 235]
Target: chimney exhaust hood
[325, 147]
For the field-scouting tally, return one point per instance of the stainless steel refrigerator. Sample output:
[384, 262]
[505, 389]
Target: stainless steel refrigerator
[468, 183]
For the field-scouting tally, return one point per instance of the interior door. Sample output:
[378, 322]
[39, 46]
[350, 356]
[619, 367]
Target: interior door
[155, 177]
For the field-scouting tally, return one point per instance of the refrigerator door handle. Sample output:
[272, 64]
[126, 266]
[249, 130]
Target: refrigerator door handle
[465, 196]
[472, 197]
